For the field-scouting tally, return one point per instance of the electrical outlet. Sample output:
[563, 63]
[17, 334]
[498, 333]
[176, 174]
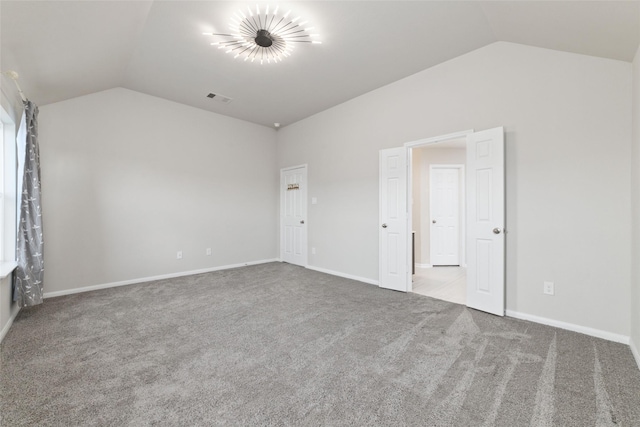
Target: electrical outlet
[549, 288]
[208, 251]
[179, 255]
[313, 251]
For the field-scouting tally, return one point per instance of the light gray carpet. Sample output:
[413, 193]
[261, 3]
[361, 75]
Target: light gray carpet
[276, 344]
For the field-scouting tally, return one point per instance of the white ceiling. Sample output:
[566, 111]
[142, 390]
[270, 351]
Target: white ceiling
[64, 49]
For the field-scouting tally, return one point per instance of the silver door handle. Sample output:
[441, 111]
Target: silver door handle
[496, 230]
[302, 222]
[384, 225]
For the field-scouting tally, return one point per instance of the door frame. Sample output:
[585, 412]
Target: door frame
[306, 203]
[417, 144]
[462, 209]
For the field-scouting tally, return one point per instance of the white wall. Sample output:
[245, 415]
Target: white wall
[129, 179]
[430, 156]
[635, 252]
[568, 138]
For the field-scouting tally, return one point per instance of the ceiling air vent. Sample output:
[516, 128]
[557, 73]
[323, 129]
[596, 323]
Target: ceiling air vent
[219, 98]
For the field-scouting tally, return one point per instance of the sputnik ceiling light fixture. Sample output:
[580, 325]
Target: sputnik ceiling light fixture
[264, 35]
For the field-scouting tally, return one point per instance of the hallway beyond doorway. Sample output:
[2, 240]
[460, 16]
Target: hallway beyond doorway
[445, 283]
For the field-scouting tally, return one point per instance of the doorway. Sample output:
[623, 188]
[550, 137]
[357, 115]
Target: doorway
[438, 219]
[293, 215]
[485, 217]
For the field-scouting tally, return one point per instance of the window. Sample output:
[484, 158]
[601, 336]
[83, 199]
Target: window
[8, 192]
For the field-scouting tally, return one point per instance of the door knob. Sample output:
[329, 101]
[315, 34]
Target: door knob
[302, 222]
[384, 225]
[433, 221]
[496, 230]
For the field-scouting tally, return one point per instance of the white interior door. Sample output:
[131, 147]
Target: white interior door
[393, 227]
[485, 221]
[293, 213]
[444, 207]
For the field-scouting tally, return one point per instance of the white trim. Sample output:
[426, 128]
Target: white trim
[9, 202]
[436, 139]
[152, 278]
[634, 351]
[346, 276]
[290, 168]
[6, 268]
[610, 336]
[6, 328]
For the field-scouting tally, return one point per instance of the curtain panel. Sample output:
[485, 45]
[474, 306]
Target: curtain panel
[28, 276]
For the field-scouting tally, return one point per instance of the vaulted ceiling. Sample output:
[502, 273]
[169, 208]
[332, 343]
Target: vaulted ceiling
[65, 49]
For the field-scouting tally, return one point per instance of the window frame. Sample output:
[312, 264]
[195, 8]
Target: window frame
[8, 193]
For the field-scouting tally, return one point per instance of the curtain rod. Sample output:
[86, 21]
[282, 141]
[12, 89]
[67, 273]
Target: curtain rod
[14, 76]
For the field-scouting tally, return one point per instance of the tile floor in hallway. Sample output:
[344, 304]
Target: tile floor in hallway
[445, 283]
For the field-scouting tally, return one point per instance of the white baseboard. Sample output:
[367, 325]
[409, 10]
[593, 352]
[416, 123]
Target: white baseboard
[152, 278]
[6, 328]
[346, 276]
[635, 351]
[570, 327]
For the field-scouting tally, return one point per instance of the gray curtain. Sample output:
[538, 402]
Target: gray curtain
[29, 274]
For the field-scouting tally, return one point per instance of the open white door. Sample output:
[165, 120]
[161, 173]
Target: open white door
[394, 259]
[293, 214]
[485, 221]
